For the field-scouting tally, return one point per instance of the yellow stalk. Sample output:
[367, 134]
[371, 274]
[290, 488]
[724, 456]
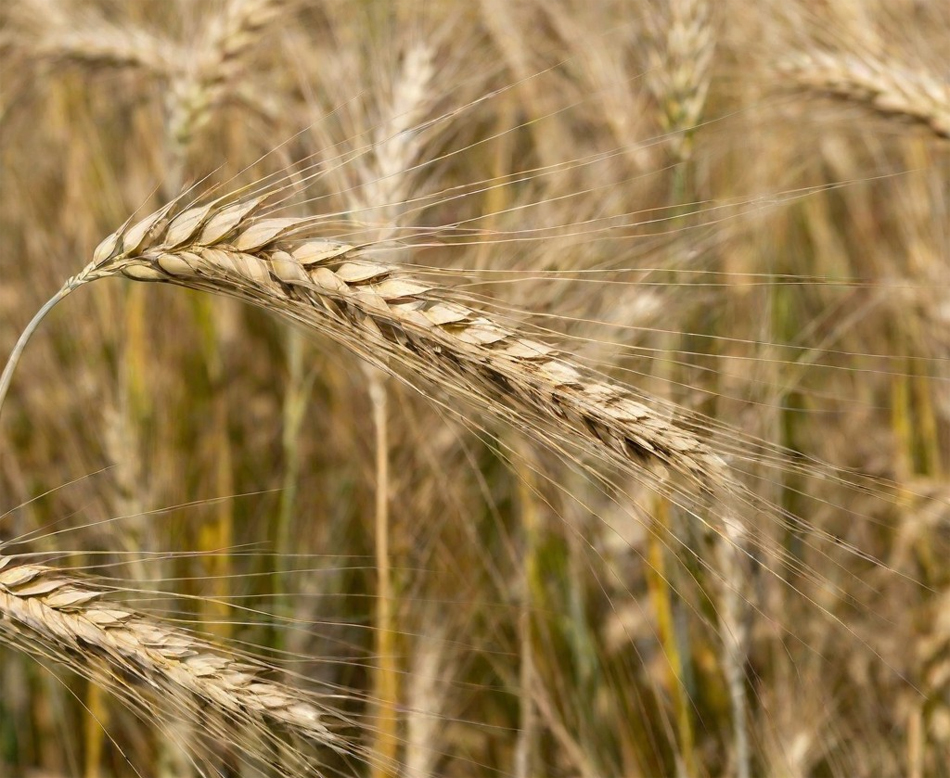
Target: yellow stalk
[526, 748]
[659, 586]
[386, 747]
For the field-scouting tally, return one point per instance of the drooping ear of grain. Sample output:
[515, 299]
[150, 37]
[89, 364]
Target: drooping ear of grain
[51, 33]
[46, 612]
[887, 88]
[386, 315]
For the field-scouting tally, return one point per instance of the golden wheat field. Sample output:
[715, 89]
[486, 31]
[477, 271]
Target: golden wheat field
[539, 389]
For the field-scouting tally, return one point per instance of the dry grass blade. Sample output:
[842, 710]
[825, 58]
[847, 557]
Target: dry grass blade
[383, 313]
[68, 619]
[887, 88]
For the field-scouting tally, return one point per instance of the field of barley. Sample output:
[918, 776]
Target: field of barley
[534, 389]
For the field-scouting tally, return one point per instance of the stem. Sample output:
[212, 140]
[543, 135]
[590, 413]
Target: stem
[734, 641]
[25, 336]
[661, 588]
[298, 388]
[387, 682]
[527, 724]
[215, 536]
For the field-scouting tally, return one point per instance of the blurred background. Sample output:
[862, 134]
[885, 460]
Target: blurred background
[742, 211]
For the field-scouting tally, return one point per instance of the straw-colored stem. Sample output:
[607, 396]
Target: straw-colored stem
[7, 376]
[294, 409]
[660, 587]
[526, 748]
[386, 684]
[734, 642]
[215, 536]
[94, 727]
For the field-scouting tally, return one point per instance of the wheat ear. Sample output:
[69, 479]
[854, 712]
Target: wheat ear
[231, 35]
[883, 86]
[68, 620]
[382, 313]
[680, 64]
[57, 34]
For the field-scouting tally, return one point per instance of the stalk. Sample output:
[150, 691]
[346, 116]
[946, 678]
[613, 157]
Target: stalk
[7, 376]
[386, 746]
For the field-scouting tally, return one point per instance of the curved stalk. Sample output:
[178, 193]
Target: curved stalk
[25, 336]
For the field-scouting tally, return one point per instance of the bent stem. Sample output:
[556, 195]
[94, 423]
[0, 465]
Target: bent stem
[27, 333]
[386, 680]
